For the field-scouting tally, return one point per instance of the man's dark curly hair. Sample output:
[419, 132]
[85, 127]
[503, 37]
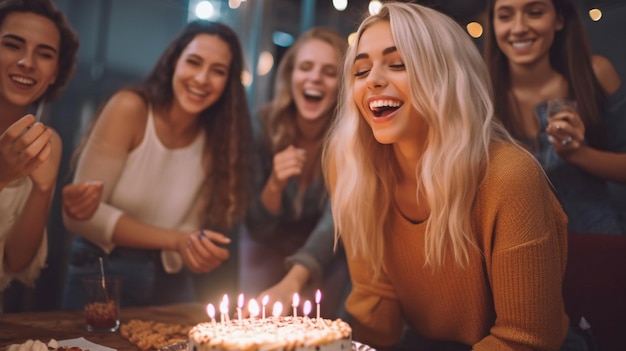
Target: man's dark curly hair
[69, 38]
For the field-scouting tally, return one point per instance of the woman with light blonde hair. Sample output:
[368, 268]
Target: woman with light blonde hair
[289, 248]
[449, 227]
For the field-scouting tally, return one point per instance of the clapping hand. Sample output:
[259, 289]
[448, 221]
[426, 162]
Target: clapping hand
[288, 163]
[80, 201]
[25, 149]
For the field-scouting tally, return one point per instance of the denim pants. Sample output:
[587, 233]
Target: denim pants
[144, 282]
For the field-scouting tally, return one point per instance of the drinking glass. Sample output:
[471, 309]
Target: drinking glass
[557, 105]
[102, 303]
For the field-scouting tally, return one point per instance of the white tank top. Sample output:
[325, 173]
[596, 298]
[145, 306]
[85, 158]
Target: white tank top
[161, 186]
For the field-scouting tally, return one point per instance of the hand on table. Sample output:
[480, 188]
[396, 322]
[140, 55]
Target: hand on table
[80, 201]
[25, 149]
[203, 251]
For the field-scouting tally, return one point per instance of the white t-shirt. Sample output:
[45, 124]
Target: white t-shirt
[12, 200]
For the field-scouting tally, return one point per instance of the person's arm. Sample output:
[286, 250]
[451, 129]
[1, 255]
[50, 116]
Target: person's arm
[118, 130]
[24, 146]
[605, 74]
[525, 230]
[25, 236]
[286, 164]
[374, 307]
[605, 164]
[260, 221]
[317, 253]
[306, 264]
[80, 201]
[284, 290]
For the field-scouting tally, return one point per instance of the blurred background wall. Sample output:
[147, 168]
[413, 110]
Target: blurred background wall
[120, 40]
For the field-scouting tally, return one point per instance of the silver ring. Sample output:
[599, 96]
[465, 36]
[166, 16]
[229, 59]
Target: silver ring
[566, 140]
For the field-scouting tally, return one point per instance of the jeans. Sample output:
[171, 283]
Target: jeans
[144, 282]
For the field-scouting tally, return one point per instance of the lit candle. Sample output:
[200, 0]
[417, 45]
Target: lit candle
[225, 306]
[277, 310]
[210, 310]
[223, 310]
[295, 303]
[265, 300]
[306, 309]
[318, 299]
[239, 306]
[253, 308]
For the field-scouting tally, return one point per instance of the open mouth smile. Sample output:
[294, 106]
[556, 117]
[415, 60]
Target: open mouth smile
[384, 107]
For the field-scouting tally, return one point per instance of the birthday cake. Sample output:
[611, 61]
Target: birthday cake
[272, 334]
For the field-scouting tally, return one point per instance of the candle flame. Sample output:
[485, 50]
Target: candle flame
[265, 300]
[225, 299]
[224, 306]
[306, 308]
[318, 296]
[240, 301]
[278, 309]
[296, 300]
[210, 310]
[253, 308]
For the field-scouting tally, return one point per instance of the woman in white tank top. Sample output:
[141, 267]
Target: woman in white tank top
[171, 154]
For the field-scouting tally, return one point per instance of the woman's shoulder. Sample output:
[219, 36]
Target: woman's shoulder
[511, 167]
[125, 108]
[605, 74]
[509, 155]
[123, 118]
[128, 101]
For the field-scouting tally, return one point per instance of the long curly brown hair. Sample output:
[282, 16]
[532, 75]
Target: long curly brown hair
[278, 116]
[227, 124]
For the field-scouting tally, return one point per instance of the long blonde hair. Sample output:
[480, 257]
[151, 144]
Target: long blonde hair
[278, 117]
[449, 86]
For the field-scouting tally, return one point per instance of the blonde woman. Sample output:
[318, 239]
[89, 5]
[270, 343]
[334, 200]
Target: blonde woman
[289, 248]
[449, 227]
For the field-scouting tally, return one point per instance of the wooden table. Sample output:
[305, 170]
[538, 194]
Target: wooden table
[16, 328]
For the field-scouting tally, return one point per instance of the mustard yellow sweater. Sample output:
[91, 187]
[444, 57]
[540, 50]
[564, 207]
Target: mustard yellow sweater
[509, 297]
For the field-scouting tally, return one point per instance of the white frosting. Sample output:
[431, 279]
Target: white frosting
[273, 334]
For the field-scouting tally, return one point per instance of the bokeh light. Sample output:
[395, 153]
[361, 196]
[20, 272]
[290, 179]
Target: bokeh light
[282, 39]
[374, 7]
[474, 29]
[204, 10]
[246, 78]
[234, 4]
[351, 38]
[340, 5]
[595, 14]
[265, 64]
